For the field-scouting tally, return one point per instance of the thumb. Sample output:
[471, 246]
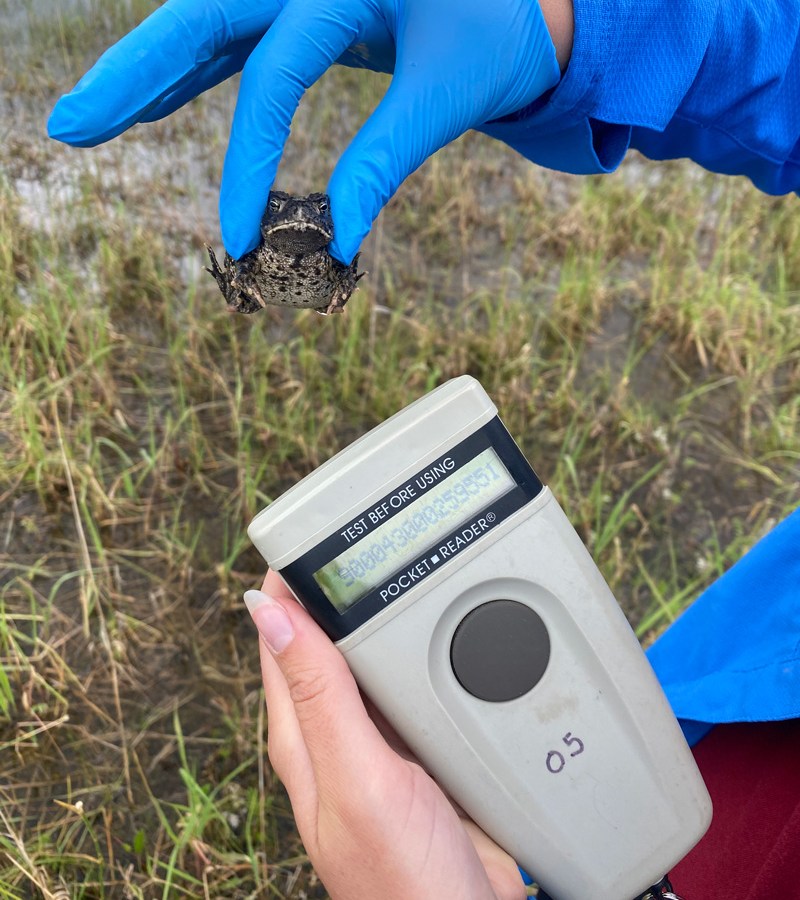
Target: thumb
[339, 735]
[413, 120]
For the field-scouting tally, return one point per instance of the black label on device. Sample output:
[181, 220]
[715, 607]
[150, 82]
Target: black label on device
[414, 530]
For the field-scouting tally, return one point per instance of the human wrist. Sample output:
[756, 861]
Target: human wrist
[559, 18]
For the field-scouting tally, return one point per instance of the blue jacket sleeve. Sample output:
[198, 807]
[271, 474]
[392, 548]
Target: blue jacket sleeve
[734, 655]
[717, 81]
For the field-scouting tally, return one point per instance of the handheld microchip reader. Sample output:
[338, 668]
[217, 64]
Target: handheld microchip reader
[472, 615]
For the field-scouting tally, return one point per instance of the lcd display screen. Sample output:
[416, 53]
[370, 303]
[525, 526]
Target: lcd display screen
[414, 529]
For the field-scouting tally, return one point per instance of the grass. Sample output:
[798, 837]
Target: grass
[640, 334]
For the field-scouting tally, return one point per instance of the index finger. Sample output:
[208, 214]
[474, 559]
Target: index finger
[151, 62]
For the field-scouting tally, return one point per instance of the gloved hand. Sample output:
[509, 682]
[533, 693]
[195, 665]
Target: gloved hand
[457, 64]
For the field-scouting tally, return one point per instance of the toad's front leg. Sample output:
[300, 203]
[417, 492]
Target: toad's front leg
[249, 298]
[237, 283]
[347, 282]
[221, 277]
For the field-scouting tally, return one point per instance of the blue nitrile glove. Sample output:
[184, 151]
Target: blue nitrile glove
[457, 64]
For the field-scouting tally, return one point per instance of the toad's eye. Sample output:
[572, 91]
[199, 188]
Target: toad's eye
[274, 205]
[322, 205]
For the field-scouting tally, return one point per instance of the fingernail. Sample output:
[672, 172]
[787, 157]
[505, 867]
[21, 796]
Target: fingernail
[270, 619]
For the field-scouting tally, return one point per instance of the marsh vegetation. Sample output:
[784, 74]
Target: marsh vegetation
[640, 334]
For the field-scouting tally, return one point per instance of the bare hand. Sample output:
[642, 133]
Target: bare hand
[373, 822]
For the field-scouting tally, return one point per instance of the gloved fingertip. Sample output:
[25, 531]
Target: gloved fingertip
[355, 202]
[345, 245]
[241, 208]
[236, 236]
[61, 122]
[241, 205]
[72, 122]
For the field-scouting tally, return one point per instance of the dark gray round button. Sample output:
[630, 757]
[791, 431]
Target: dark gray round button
[500, 650]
